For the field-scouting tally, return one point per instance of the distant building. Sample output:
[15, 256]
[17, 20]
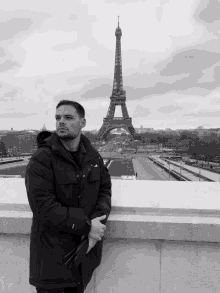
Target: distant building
[94, 131]
[3, 150]
[201, 131]
[143, 129]
[43, 128]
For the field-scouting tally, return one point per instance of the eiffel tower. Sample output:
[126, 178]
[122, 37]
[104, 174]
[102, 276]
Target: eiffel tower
[118, 98]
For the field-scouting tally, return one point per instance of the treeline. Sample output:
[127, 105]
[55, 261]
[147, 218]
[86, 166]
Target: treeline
[205, 146]
[15, 144]
[93, 136]
[190, 142]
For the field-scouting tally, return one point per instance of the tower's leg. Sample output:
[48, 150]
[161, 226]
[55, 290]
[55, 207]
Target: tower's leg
[131, 130]
[111, 110]
[124, 110]
[102, 131]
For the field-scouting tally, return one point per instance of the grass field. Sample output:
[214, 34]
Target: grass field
[121, 167]
[117, 168]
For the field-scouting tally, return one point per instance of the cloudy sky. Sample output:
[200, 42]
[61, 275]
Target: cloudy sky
[51, 50]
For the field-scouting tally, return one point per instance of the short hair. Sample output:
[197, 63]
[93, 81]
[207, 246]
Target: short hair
[79, 108]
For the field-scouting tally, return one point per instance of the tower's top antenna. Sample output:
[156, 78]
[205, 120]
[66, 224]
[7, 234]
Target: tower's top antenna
[118, 30]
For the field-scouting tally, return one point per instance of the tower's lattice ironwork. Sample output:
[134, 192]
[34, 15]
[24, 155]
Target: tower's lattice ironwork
[118, 98]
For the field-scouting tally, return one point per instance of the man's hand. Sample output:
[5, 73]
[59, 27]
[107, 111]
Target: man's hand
[92, 243]
[97, 228]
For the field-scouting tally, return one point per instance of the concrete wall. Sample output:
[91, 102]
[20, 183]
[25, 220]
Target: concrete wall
[127, 266]
[161, 237]
[154, 266]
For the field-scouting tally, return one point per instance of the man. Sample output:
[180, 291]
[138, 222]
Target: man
[69, 192]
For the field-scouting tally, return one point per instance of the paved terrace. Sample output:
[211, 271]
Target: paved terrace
[162, 236]
[147, 170]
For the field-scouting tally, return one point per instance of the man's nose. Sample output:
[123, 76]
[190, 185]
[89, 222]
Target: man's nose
[61, 121]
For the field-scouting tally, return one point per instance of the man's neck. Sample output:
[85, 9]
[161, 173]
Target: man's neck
[72, 145]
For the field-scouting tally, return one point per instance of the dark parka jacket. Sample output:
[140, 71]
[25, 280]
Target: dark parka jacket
[64, 199]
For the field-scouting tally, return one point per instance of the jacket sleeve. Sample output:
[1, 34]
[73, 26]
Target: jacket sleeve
[103, 204]
[39, 182]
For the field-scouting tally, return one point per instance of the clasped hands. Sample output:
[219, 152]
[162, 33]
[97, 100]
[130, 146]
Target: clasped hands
[97, 231]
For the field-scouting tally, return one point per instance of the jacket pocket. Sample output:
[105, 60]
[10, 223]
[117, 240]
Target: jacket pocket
[67, 188]
[94, 174]
[68, 177]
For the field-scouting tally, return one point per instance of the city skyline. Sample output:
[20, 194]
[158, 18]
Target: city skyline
[170, 61]
[122, 130]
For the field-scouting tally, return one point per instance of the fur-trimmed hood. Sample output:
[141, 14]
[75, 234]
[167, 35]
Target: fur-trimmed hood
[43, 138]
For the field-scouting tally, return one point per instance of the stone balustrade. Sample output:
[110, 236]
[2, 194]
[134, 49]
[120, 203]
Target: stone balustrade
[161, 236]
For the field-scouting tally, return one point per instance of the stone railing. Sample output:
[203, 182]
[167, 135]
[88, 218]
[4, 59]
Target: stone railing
[162, 236]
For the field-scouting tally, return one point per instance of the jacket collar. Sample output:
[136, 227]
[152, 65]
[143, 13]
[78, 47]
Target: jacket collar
[85, 148]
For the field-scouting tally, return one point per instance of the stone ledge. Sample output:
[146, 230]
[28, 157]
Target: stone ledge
[131, 210]
[164, 210]
[134, 226]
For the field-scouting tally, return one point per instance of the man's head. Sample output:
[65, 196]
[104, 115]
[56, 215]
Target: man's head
[70, 119]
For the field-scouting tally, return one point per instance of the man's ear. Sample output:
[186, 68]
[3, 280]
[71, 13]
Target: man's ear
[83, 122]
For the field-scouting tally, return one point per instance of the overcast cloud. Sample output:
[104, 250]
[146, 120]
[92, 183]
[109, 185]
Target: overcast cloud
[170, 61]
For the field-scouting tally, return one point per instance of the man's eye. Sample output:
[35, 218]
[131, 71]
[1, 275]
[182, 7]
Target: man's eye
[68, 118]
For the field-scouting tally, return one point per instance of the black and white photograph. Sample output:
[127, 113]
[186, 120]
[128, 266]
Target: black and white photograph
[110, 146]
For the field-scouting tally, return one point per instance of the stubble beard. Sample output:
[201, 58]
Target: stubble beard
[68, 137]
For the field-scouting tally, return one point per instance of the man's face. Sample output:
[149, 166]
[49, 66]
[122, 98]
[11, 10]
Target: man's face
[68, 122]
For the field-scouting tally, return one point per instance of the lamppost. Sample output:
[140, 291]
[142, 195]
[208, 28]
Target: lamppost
[110, 150]
[15, 151]
[180, 167]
